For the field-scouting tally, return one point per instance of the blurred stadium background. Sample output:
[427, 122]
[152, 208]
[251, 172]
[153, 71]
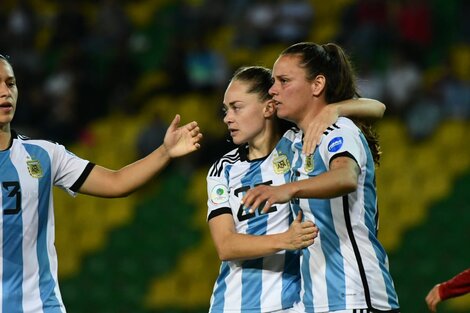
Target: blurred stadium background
[105, 77]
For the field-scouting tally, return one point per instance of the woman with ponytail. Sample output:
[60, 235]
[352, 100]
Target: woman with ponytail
[346, 269]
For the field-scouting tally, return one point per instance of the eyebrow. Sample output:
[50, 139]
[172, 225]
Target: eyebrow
[232, 103]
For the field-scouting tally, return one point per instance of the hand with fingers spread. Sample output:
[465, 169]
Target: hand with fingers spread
[181, 140]
[312, 136]
[266, 194]
[301, 234]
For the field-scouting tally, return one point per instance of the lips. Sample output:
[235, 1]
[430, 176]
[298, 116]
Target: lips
[6, 106]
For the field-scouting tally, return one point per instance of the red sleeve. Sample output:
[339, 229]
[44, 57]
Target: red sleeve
[456, 286]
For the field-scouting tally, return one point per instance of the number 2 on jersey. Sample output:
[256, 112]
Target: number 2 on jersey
[242, 215]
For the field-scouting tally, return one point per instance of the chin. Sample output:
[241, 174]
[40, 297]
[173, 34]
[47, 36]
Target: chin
[237, 142]
[282, 114]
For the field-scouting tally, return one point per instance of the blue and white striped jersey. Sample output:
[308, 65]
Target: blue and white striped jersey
[265, 284]
[346, 267]
[28, 171]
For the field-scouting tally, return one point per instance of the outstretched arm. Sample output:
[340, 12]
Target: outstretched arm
[231, 245]
[362, 108]
[179, 141]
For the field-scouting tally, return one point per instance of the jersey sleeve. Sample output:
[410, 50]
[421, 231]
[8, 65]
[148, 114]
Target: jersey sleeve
[342, 140]
[69, 171]
[217, 194]
[457, 286]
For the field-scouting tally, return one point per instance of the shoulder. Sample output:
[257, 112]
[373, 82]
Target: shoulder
[345, 123]
[342, 125]
[229, 158]
[291, 134]
[44, 143]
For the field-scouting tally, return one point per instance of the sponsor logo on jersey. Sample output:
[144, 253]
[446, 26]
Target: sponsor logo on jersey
[309, 165]
[335, 144]
[281, 164]
[219, 194]
[34, 168]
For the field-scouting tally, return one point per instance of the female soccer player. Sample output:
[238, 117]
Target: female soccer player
[28, 171]
[346, 269]
[259, 252]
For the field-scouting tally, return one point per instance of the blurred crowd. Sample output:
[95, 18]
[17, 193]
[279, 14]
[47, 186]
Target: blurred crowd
[76, 61]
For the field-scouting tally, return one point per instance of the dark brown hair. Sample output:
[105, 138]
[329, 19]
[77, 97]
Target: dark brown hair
[260, 81]
[332, 62]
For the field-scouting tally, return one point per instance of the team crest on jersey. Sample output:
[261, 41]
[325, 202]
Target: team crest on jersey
[219, 194]
[281, 164]
[34, 168]
[309, 165]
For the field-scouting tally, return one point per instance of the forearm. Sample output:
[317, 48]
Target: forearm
[243, 246]
[134, 175]
[362, 108]
[107, 183]
[331, 184]
[456, 286]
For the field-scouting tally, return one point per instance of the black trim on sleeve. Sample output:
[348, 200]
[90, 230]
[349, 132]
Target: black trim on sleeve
[220, 211]
[82, 177]
[343, 154]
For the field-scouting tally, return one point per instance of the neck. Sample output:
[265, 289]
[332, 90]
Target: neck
[263, 144]
[5, 137]
[310, 115]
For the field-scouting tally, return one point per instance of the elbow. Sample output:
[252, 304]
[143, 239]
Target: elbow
[383, 108]
[349, 183]
[224, 255]
[349, 186]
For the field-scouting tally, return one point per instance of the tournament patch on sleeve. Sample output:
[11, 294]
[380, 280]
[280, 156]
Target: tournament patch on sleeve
[335, 144]
[219, 194]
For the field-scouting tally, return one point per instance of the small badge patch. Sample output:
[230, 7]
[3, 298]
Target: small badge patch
[281, 164]
[309, 165]
[335, 144]
[219, 194]
[34, 168]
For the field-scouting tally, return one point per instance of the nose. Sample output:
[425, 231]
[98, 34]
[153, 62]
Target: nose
[273, 90]
[4, 90]
[227, 117]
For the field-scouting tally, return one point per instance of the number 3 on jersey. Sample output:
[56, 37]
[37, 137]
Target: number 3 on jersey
[11, 189]
[243, 214]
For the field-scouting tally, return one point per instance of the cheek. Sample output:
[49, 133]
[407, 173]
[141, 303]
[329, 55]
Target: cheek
[253, 122]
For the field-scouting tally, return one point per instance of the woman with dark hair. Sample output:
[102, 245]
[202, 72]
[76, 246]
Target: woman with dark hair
[346, 269]
[29, 169]
[260, 252]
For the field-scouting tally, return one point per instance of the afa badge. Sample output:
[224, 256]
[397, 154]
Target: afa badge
[34, 168]
[309, 165]
[219, 194]
[281, 164]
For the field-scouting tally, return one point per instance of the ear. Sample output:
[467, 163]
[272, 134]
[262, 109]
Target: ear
[269, 108]
[318, 85]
